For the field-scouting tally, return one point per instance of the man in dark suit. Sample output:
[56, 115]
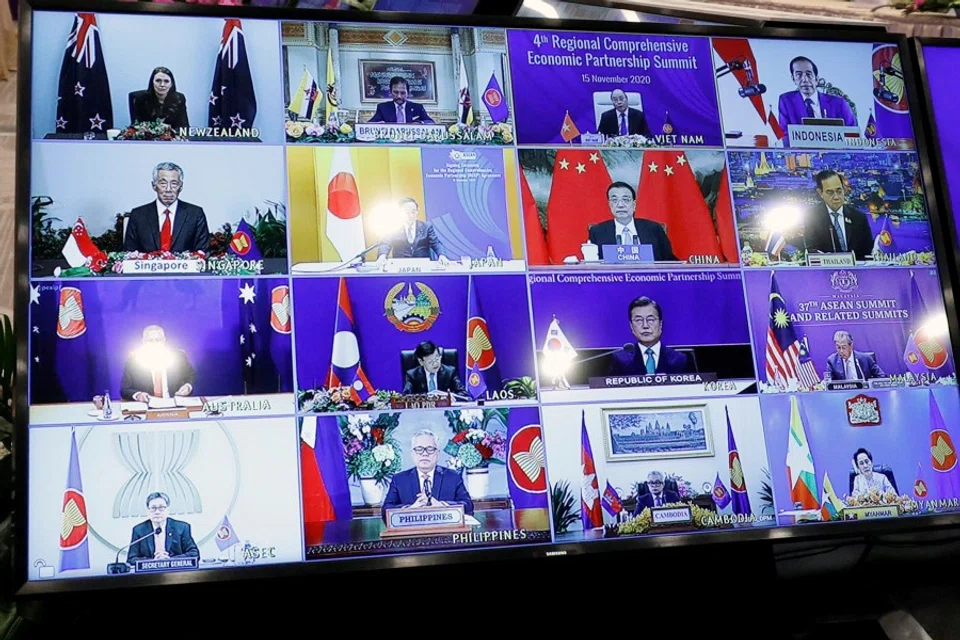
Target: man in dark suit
[432, 376]
[426, 485]
[155, 370]
[807, 101]
[173, 541]
[849, 364]
[400, 110]
[657, 496]
[415, 239]
[167, 223]
[649, 355]
[622, 120]
[625, 229]
[834, 226]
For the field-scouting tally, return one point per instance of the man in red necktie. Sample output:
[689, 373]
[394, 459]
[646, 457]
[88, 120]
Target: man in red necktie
[156, 370]
[168, 223]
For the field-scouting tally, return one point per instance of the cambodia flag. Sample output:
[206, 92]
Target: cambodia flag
[945, 483]
[323, 473]
[83, 94]
[720, 494]
[589, 487]
[233, 102]
[345, 367]
[611, 501]
[482, 370]
[243, 244]
[74, 545]
[526, 460]
[495, 102]
[738, 484]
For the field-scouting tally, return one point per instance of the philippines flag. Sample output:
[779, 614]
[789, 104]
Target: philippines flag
[233, 102]
[787, 361]
[482, 370]
[323, 473]
[590, 513]
[83, 94]
[344, 225]
[74, 545]
[738, 483]
[611, 501]
[345, 367]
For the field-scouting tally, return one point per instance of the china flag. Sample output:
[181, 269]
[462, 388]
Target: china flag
[533, 230]
[669, 194]
[578, 198]
[725, 223]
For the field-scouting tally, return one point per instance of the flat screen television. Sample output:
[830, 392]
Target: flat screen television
[316, 295]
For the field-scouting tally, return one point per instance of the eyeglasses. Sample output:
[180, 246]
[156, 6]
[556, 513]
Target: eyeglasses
[424, 451]
[645, 320]
[155, 509]
[163, 184]
[623, 200]
[658, 482]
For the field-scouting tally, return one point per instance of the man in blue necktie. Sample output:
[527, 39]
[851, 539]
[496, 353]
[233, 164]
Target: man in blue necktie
[622, 120]
[399, 109]
[648, 356]
[432, 376]
[834, 226]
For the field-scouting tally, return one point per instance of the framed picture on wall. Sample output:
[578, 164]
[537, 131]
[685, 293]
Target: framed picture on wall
[375, 76]
[653, 433]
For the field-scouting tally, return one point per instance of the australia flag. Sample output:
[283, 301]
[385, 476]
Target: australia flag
[233, 102]
[83, 96]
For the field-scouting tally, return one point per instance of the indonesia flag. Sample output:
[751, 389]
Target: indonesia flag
[345, 368]
[590, 512]
[74, 544]
[344, 224]
[79, 248]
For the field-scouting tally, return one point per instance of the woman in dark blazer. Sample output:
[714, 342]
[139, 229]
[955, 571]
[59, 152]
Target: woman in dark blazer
[161, 101]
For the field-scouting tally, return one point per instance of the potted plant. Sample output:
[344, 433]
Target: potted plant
[371, 452]
[475, 445]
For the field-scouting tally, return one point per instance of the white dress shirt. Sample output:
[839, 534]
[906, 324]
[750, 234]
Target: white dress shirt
[173, 214]
[411, 232]
[159, 540]
[842, 227]
[817, 111]
[162, 373]
[631, 228]
[850, 368]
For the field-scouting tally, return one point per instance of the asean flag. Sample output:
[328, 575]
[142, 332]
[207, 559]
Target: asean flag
[943, 457]
[280, 309]
[74, 544]
[526, 463]
[482, 371]
[344, 224]
[345, 368]
[71, 322]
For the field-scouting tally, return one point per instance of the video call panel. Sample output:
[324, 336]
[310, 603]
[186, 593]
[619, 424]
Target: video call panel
[940, 63]
[620, 274]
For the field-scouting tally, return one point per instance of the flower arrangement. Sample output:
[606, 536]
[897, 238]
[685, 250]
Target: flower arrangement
[642, 523]
[311, 132]
[325, 400]
[874, 498]
[684, 487]
[475, 444]
[102, 263]
[369, 446]
[629, 142]
[155, 130]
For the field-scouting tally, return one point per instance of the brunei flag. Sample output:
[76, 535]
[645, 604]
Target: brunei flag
[306, 99]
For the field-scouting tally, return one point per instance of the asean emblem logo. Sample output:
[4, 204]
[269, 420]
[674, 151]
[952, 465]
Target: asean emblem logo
[474, 379]
[871, 129]
[942, 451]
[493, 97]
[411, 312]
[889, 89]
[479, 347]
[241, 243]
[920, 488]
[844, 281]
[280, 309]
[932, 352]
[885, 238]
[527, 459]
[71, 323]
[719, 493]
[668, 128]
[863, 411]
[73, 527]
[736, 473]
[223, 532]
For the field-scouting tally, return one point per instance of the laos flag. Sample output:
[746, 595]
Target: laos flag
[74, 545]
[345, 368]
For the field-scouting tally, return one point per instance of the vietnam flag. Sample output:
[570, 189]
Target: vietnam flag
[670, 194]
[725, 220]
[578, 198]
[532, 229]
[568, 130]
[326, 493]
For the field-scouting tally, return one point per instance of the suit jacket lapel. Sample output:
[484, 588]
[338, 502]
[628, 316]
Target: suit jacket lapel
[150, 546]
[437, 483]
[153, 224]
[422, 374]
[167, 538]
[178, 223]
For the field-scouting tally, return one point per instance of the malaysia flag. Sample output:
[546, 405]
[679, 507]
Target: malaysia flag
[83, 94]
[345, 367]
[233, 102]
[74, 544]
[787, 358]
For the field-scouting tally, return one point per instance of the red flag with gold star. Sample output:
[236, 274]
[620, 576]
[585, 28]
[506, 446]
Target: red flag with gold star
[578, 198]
[569, 130]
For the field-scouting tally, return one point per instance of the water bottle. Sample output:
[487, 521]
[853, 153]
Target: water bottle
[107, 406]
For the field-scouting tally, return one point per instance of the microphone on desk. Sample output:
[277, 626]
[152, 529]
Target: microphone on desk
[118, 567]
[628, 347]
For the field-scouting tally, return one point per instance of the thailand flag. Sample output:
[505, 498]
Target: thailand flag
[345, 367]
[589, 488]
[233, 102]
[74, 545]
[83, 94]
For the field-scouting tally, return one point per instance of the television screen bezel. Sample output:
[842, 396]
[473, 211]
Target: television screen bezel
[804, 532]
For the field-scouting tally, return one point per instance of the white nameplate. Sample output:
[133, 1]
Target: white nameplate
[871, 513]
[163, 266]
[671, 515]
[831, 260]
[425, 517]
[823, 137]
[379, 131]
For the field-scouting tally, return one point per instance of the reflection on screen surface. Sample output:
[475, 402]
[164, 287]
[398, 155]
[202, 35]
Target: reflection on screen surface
[315, 291]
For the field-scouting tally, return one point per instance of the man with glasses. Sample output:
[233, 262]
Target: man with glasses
[432, 376]
[426, 485]
[834, 226]
[171, 538]
[625, 229]
[648, 355]
[167, 223]
[657, 495]
[807, 101]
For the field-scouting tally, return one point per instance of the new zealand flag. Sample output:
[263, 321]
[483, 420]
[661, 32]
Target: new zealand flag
[233, 102]
[83, 96]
